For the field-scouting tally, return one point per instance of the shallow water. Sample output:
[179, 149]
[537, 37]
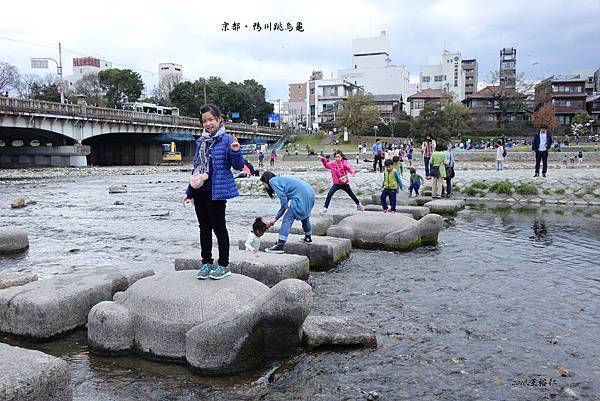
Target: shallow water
[504, 297]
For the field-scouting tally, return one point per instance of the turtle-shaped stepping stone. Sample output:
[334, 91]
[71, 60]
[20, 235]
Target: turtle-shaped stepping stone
[217, 326]
[392, 231]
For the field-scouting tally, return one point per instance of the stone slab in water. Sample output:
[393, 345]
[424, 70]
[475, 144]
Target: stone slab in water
[217, 326]
[320, 331]
[27, 375]
[422, 200]
[375, 230]
[268, 268]
[299, 169]
[13, 240]
[117, 189]
[15, 279]
[323, 253]
[319, 226]
[46, 308]
[415, 211]
[445, 206]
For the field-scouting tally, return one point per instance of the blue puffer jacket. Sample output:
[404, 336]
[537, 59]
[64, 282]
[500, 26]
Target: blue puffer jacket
[222, 159]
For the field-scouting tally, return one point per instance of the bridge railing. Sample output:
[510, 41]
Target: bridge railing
[76, 110]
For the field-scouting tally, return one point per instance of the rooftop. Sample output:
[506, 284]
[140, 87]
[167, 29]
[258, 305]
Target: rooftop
[427, 94]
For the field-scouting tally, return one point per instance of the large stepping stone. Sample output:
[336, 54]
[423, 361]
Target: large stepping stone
[46, 308]
[319, 226]
[13, 240]
[323, 253]
[216, 326]
[422, 200]
[320, 331]
[415, 211]
[8, 279]
[372, 230]
[27, 375]
[268, 268]
[446, 206]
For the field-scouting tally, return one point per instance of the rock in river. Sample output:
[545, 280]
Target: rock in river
[13, 240]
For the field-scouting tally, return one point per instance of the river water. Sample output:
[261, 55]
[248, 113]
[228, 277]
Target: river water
[506, 297]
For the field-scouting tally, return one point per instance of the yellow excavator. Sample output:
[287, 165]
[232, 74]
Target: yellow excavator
[170, 156]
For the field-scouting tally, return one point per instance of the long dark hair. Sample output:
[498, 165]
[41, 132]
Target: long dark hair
[339, 152]
[265, 177]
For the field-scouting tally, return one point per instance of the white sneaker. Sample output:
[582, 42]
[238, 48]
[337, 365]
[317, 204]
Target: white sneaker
[324, 210]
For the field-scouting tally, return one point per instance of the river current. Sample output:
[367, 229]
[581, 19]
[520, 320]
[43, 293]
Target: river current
[492, 312]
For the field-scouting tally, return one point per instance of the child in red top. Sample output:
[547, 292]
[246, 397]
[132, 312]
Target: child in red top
[339, 173]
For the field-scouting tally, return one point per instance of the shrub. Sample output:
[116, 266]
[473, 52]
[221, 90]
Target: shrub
[560, 191]
[502, 187]
[546, 191]
[526, 189]
[471, 191]
[479, 185]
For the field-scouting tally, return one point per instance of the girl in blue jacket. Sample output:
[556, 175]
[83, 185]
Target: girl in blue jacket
[216, 152]
[297, 199]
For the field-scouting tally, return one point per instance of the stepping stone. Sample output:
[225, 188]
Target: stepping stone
[268, 268]
[13, 240]
[445, 206]
[337, 217]
[117, 189]
[320, 331]
[46, 308]
[216, 326]
[28, 375]
[299, 169]
[422, 200]
[319, 226]
[415, 211]
[323, 253]
[372, 230]
[16, 279]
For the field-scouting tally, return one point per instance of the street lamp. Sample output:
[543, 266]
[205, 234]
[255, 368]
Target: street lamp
[42, 63]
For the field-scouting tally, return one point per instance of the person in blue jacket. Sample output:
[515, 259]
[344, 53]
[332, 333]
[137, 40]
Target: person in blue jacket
[297, 199]
[216, 152]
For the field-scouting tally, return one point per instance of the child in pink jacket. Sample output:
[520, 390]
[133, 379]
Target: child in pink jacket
[340, 169]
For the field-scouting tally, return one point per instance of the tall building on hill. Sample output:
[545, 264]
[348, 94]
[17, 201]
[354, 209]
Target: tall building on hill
[83, 66]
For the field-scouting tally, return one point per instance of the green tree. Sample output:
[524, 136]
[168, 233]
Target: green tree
[456, 117]
[430, 122]
[119, 83]
[400, 124]
[359, 114]
[45, 92]
[187, 96]
[582, 124]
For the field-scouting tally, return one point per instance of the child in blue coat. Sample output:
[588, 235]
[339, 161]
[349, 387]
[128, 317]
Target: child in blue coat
[297, 199]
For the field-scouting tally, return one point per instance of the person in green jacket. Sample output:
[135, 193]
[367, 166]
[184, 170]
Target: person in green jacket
[437, 167]
[391, 183]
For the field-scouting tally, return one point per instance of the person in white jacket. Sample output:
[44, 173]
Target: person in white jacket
[259, 227]
[499, 156]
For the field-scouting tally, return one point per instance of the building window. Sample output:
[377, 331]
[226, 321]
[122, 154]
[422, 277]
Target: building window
[417, 104]
[438, 78]
[312, 91]
[563, 88]
[564, 119]
[425, 78]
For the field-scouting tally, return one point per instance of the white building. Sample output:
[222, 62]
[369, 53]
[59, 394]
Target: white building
[170, 72]
[372, 68]
[83, 66]
[323, 99]
[444, 72]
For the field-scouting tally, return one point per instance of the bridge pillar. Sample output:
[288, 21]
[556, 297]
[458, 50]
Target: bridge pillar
[47, 156]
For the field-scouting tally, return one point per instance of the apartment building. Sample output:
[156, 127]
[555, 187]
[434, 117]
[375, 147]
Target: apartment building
[565, 93]
[420, 99]
[470, 69]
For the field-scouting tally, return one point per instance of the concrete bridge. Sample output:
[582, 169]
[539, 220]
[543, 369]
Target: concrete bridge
[44, 133]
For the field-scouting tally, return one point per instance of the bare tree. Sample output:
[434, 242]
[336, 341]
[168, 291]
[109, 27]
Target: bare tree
[9, 77]
[510, 102]
[26, 83]
[165, 87]
[89, 85]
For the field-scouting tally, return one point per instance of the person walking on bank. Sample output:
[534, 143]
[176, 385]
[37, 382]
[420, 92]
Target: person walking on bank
[542, 141]
[210, 186]
[450, 170]
[340, 169]
[427, 148]
[297, 199]
[438, 163]
[377, 150]
[272, 158]
[261, 158]
[499, 156]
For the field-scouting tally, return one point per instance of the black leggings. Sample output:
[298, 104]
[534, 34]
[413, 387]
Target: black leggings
[211, 217]
[346, 188]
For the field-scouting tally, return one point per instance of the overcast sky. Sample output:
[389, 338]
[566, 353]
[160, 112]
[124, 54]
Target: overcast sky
[551, 36]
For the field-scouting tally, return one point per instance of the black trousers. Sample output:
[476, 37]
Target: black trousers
[378, 159]
[211, 217]
[543, 157]
[336, 187]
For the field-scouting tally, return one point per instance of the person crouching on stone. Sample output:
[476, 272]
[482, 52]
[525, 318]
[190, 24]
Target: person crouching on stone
[216, 152]
[340, 170]
[259, 227]
[391, 183]
[297, 199]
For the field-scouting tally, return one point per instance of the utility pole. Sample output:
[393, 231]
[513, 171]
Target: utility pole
[60, 74]
[42, 63]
